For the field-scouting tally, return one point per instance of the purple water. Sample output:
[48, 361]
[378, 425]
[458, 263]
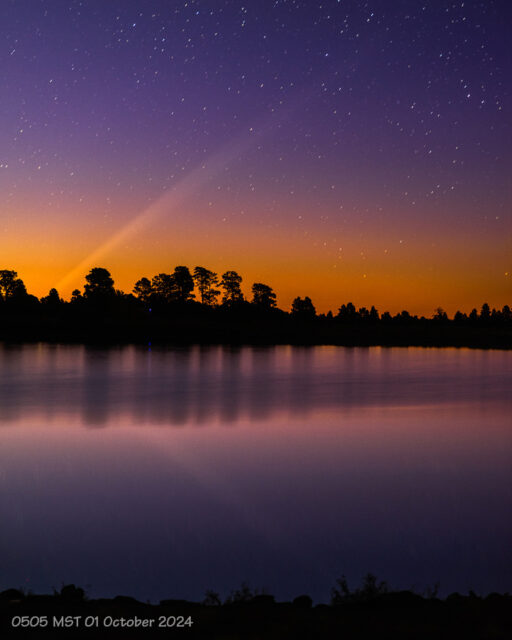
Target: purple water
[164, 473]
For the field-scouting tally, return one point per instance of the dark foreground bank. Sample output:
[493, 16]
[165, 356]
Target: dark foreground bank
[382, 614]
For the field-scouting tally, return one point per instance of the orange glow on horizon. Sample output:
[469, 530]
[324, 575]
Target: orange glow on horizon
[293, 263]
[405, 265]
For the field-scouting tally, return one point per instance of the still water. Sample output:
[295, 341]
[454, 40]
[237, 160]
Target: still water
[163, 473]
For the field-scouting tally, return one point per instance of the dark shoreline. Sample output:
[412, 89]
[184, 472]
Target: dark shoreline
[385, 614]
[182, 334]
[105, 316]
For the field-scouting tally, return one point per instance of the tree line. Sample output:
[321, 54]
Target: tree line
[177, 290]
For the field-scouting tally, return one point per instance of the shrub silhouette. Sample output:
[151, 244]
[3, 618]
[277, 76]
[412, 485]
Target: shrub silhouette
[70, 593]
[369, 590]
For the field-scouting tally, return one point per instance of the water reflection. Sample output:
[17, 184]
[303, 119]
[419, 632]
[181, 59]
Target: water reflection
[395, 461]
[197, 385]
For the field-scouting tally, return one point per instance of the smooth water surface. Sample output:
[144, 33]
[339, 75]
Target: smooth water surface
[165, 473]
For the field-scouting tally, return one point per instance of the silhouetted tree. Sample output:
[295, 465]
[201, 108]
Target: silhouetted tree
[263, 296]
[485, 312]
[405, 317]
[231, 282]
[473, 316]
[440, 315]
[11, 287]
[374, 314]
[52, 299]
[76, 296]
[164, 287]
[143, 290]
[303, 308]
[183, 284]
[99, 285]
[205, 281]
[347, 313]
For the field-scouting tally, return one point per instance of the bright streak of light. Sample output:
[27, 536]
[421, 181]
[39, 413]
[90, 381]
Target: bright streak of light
[173, 198]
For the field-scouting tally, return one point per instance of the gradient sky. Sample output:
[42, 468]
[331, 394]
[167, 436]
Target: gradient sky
[344, 150]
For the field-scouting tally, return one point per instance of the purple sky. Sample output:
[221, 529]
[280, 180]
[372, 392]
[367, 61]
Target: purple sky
[361, 148]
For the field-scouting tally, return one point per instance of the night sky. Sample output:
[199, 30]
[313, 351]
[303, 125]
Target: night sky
[345, 150]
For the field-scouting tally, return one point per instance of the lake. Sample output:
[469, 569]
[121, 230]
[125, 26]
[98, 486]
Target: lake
[163, 473]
